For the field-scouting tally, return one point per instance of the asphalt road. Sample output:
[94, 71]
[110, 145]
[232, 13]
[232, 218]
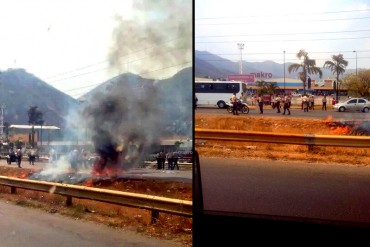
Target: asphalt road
[293, 189]
[295, 112]
[31, 227]
[34, 228]
[184, 174]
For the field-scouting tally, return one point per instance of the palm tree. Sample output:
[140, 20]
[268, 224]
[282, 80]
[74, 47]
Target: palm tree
[261, 87]
[6, 130]
[308, 68]
[34, 117]
[337, 66]
[272, 88]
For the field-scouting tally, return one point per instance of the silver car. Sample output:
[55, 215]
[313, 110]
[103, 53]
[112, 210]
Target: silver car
[354, 104]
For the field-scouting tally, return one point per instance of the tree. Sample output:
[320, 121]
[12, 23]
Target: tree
[6, 130]
[358, 86]
[337, 66]
[34, 117]
[267, 87]
[308, 67]
[272, 88]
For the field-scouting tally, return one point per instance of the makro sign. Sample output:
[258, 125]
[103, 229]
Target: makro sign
[249, 78]
[262, 75]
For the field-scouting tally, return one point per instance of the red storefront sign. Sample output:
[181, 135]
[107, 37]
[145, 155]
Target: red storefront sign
[249, 78]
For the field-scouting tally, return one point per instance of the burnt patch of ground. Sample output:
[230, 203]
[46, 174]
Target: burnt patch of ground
[169, 227]
[272, 151]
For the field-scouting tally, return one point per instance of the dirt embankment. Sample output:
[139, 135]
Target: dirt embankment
[170, 227]
[256, 150]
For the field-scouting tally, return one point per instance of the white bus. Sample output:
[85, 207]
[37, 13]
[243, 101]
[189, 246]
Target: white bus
[217, 93]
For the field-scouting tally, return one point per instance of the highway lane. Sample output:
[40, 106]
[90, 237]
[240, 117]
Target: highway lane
[295, 112]
[22, 226]
[293, 189]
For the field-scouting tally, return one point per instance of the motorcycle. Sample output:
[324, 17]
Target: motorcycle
[11, 157]
[241, 107]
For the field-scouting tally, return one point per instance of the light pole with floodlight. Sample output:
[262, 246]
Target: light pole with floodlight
[284, 71]
[356, 63]
[241, 47]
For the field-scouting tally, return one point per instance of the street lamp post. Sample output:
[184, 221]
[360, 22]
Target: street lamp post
[284, 71]
[356, 63]
[241, 47]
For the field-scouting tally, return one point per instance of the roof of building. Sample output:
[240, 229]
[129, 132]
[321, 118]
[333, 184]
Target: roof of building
[44, 127]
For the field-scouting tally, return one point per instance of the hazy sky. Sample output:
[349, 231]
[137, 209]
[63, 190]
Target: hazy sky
[267, 28]
[76, 45]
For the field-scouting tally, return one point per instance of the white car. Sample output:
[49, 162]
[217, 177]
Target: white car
[353, 104]
[296, 95]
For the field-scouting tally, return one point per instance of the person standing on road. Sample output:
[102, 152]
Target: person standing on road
[260, 103]
[163, 159]
[159, 161]
[234, 101]
[32, 156]
[277, 103]
[195, 102]
[324, 102]
[175, 158]
[243, 97]
[305, 103]
[169, 161]
[333, 101]
[19, 157]
[312, 102]
[286, 101]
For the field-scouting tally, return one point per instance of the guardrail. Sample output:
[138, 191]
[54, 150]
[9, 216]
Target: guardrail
[299, 139]
[155, 204]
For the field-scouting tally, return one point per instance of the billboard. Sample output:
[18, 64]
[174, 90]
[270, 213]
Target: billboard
[248, 78]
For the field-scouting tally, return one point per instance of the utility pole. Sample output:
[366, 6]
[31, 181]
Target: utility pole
[241, 47]
[2, 107]
[284, 71]
[356, 63]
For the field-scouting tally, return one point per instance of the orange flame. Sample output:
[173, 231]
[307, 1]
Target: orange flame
[328, 120]
[341, 130]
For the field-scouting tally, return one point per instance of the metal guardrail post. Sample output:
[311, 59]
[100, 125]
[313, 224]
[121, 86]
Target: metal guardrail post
[68, 201]
[309, 139]
[13, 190]
[155, 204]
[155, 216]
[286, 138]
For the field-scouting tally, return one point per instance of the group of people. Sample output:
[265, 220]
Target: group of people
[279, 101]
[172, 160]
[324, 101]
[308, 103]
[17, 155]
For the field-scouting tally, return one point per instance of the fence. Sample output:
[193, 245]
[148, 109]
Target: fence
[299, 139]
[153, 203]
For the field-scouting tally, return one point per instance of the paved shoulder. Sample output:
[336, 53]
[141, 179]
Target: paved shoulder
[31, 227]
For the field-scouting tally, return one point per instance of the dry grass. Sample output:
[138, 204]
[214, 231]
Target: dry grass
[170, 227]
[271, 151]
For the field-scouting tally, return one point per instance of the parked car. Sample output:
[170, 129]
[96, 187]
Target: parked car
[353, 104]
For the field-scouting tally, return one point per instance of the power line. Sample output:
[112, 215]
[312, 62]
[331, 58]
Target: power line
[292, 40]
[141, 74]
[105, 61]
[277, 53]
[270, 20]
[279, 34]
[287, 14]
[108, 67]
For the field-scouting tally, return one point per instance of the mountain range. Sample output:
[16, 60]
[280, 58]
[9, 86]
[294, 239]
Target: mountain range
[208, 65]
[19, 90]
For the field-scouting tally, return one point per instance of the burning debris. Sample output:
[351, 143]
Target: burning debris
[358, 127]
[126, 120]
